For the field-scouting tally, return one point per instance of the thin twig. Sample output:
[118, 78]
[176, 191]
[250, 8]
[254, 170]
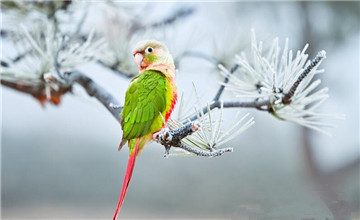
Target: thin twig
[226, 80]
[57, 65]
[237, 104]
[203, 153]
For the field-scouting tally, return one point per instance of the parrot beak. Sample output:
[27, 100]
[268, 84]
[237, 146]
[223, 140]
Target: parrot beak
[139, 59]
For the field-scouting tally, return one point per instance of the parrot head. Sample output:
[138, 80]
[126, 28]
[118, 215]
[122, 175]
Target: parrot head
[154, 55]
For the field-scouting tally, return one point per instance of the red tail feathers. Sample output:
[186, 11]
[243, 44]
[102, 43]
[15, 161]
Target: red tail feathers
[127, 178]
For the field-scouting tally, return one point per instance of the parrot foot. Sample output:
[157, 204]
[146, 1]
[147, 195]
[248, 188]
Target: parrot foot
[155, 135]
[162, 135]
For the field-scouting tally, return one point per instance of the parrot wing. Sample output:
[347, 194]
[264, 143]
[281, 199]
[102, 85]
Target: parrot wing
[145, 99]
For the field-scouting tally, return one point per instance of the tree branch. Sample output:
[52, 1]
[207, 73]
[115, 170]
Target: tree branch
[36, 88]
[198, 152]
[237, 104]
[320, 56]
[172, 138]
[226, 80]
[95, 90]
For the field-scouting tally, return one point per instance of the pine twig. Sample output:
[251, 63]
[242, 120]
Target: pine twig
[226, 80]
[287, 97]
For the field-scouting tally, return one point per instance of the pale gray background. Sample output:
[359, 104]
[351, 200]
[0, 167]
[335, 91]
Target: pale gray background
[61, 161]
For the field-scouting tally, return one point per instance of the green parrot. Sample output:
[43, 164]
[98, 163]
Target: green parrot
[150, 98]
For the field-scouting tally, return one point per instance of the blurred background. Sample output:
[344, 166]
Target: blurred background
[61, 161]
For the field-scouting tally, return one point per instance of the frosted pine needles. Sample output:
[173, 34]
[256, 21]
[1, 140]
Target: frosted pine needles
[287, 81]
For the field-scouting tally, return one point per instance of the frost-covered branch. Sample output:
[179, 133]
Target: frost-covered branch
[172, 138]
[282, 80]
[320, 56]
[199, 152]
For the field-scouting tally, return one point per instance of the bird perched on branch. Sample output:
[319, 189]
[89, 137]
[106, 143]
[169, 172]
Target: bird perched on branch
[149, 100]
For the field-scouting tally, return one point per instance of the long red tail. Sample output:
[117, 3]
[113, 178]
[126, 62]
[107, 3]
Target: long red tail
[127, 178]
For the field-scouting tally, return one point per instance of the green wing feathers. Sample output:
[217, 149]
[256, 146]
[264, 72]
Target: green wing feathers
[145, 99]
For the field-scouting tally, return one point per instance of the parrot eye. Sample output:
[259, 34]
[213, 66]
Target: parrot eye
[149, 50]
